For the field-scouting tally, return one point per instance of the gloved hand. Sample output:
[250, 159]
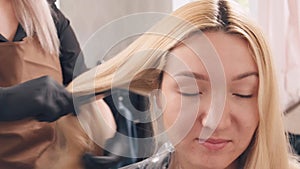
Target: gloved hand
[42, 98]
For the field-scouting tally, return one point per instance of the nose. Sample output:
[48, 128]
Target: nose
[226, 119]
[215, 116]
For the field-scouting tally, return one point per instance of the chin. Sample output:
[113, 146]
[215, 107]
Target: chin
[210, 165]
[210, 161]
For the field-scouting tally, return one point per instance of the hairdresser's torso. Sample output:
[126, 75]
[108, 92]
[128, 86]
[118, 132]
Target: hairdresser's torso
[21, 59]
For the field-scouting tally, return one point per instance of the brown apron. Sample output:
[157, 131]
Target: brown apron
[23, 142]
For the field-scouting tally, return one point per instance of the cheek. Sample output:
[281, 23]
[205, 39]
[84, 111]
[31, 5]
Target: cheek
[179, 116]
[247, 119]
[171, 110]
[249, 116]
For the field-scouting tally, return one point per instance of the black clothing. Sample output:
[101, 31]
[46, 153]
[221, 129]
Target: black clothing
[70, 52]
[295, 142]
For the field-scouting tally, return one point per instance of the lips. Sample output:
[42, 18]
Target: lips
[214, 144]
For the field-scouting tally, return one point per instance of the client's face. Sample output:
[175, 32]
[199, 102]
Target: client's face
[239, 119]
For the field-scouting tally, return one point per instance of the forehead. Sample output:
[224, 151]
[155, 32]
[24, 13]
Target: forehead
[199, 52]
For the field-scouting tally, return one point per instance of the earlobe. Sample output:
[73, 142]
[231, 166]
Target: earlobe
[157, 100]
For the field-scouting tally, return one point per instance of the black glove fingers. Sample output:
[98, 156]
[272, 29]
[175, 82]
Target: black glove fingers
[54, 100]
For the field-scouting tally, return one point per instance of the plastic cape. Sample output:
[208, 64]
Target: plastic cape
[158, 161]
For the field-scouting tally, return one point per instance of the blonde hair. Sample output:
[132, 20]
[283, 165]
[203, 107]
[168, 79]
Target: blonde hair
[269, 148]
[35, 17]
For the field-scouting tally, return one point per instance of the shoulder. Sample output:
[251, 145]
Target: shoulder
[51, 1]
[61, 22]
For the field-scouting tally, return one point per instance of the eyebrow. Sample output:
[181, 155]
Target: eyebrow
[205, 78]
[245, 75]
[193, 75]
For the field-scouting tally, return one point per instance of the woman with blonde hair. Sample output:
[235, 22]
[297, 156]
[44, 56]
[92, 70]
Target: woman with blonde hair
[35, 40]
[209, 73]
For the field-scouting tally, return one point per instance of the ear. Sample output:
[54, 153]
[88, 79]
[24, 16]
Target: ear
[157, 99]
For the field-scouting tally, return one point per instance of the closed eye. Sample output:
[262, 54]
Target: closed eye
[243, 96]
[191, 94]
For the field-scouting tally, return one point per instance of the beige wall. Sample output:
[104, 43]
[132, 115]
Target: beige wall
[292, 121]
[89, 15]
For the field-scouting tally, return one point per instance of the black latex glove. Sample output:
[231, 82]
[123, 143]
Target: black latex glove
[42, 98]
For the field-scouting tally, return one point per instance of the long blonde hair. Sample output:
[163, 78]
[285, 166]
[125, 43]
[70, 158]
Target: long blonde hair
[35, 17]
[269, 149]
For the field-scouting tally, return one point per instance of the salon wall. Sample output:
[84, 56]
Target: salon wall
[87, 16]
[282, 30]
[291, 121]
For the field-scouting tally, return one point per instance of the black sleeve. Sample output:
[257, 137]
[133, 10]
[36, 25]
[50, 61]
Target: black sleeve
[70, 51]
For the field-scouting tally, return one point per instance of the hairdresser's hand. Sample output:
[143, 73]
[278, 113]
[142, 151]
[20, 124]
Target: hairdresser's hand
[43, 99]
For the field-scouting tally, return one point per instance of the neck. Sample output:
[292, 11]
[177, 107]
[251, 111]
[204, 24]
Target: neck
[9, 22]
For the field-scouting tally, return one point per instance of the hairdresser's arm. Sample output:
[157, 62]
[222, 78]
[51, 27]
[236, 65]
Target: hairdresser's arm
[70, 51]
[43, 99]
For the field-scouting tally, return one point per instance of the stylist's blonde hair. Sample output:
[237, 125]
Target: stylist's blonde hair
[269, 148]
[35, 17]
